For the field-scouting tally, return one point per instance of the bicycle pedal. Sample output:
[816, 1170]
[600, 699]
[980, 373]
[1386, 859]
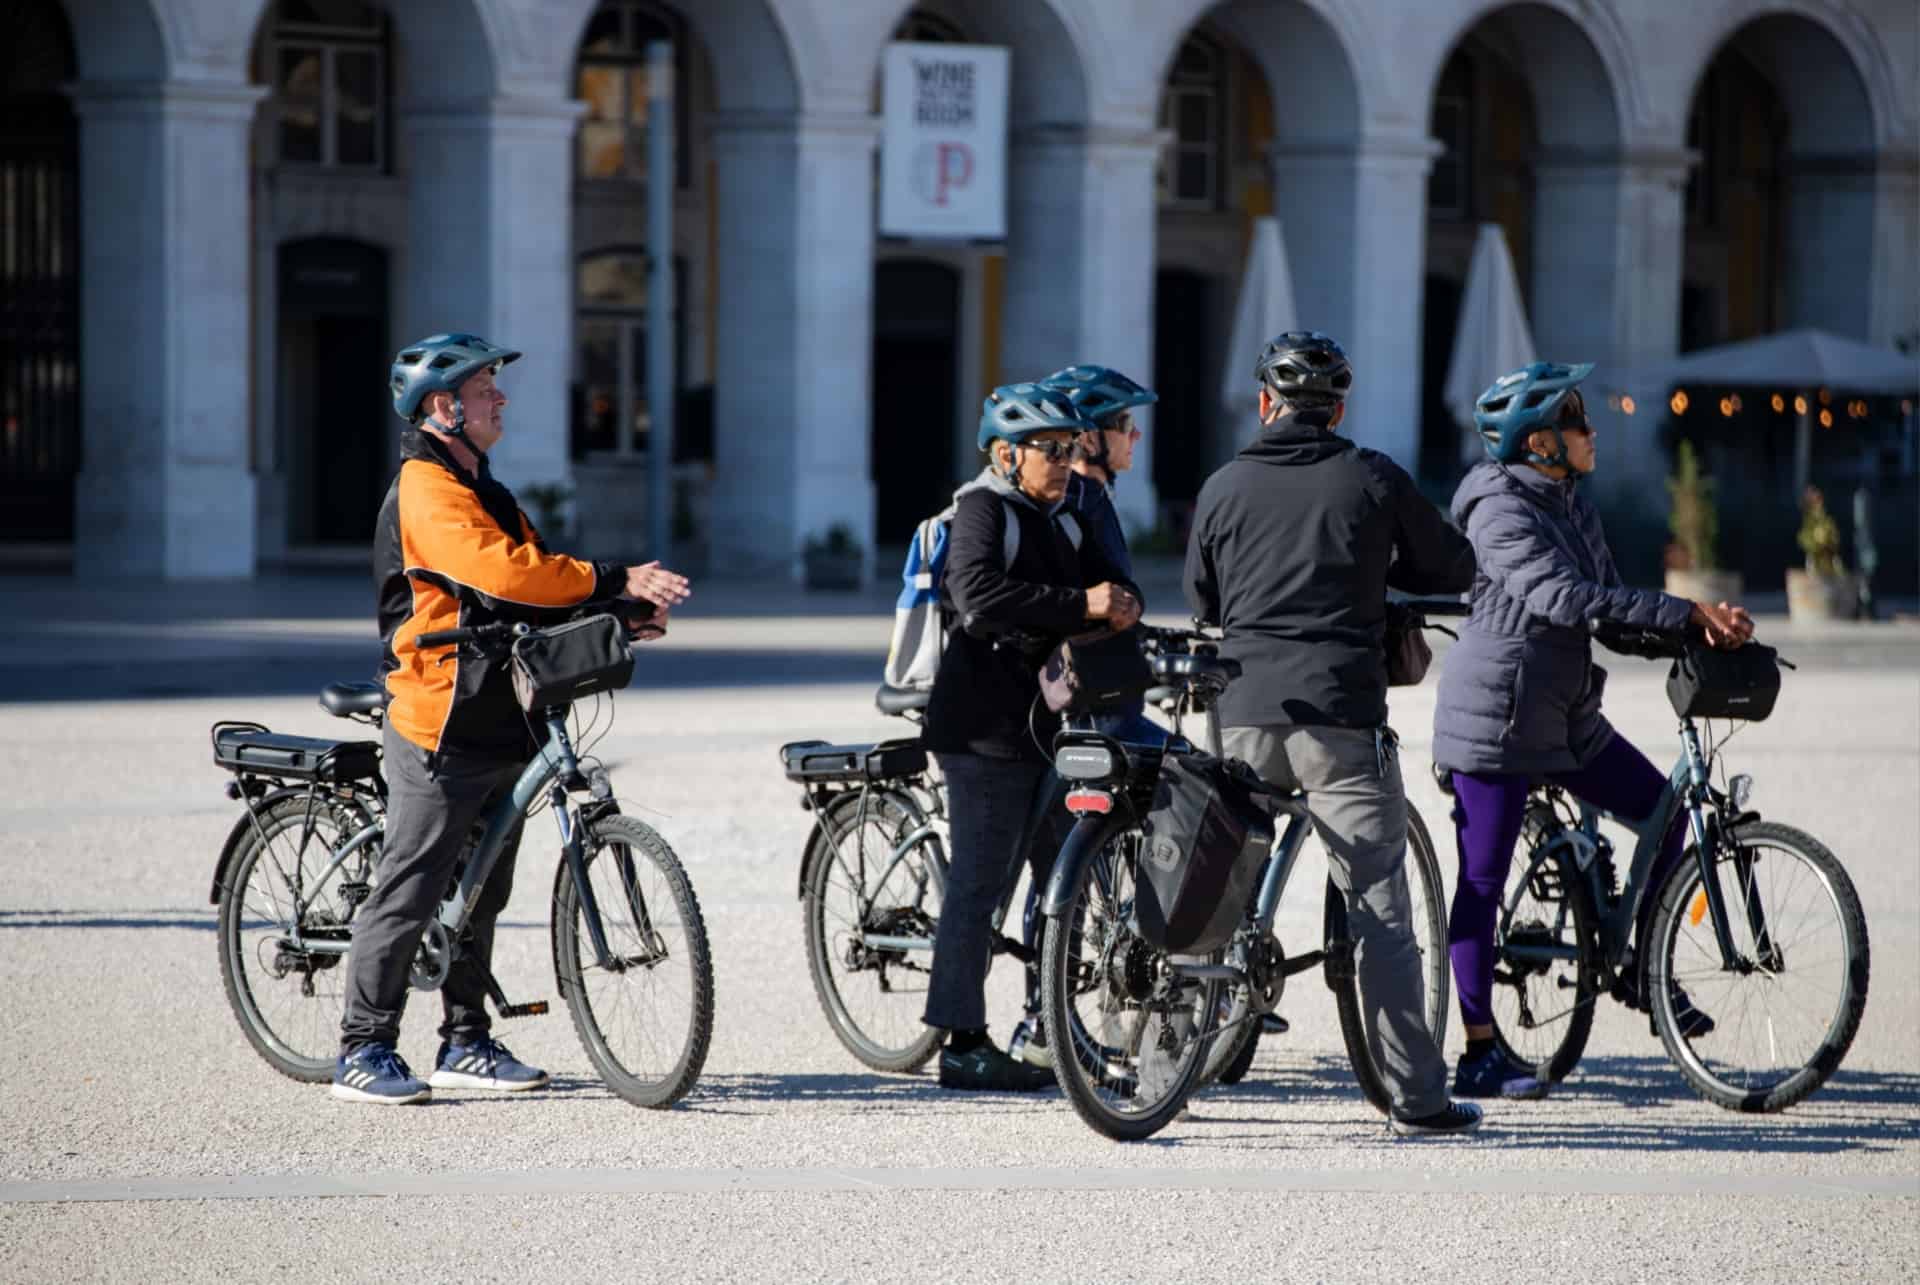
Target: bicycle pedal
[1005, 945]
[538, 1008]
[1274, 1024]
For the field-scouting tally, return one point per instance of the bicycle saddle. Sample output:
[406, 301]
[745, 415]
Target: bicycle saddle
[343, 700]
[1219, 670]
[900, 700]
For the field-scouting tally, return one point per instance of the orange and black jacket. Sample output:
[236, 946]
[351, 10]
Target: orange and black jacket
[452, 550]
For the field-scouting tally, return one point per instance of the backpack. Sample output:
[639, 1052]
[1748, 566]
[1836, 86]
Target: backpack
[919, 619]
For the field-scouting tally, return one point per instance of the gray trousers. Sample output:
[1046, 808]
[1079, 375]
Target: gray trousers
[1359, 808]
[991, 802]
[433, 800]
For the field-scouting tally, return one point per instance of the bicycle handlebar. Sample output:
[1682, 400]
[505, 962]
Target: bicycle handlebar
[1640, 640]
[1432, 606]
[498, 632]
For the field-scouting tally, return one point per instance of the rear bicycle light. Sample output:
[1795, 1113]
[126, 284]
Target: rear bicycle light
[1081, 802]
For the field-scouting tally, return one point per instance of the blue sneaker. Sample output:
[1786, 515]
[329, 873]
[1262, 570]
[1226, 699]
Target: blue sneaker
[375, 1073]
[1495, 1075]
[484, 1064]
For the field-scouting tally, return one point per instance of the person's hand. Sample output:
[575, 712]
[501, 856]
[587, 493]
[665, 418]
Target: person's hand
[1114, 604]
[1726, 626]
[654, 583]
[649, 627]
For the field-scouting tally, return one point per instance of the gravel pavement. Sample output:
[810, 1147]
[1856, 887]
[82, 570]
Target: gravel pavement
[141, 1136]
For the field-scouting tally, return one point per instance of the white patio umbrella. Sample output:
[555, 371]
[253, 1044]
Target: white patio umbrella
[1492, 336]
[1265, 310]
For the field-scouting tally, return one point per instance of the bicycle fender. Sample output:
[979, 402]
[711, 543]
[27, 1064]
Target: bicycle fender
[1090, 834]
[241, 832]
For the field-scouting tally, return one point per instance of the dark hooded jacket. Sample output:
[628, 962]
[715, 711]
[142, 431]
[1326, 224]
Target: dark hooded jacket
[1294, 546]
[1519, 693]
[983, 696]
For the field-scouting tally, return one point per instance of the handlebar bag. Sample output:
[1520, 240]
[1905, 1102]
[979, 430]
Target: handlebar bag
[558, 666]
[1707, 682]
[1202, 846]
[1095, 670]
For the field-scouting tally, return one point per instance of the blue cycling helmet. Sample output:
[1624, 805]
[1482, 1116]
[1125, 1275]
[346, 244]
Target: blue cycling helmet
[1015, 412]
[440, 364]
[1543, 395]
[1099, 392]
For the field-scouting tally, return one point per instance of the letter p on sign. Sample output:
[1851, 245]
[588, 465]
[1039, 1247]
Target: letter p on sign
[942, 169]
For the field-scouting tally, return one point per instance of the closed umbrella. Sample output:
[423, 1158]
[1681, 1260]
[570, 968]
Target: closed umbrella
[1491, 337]
[1265, 310]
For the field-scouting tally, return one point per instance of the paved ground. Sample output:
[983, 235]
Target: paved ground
[140, 1136]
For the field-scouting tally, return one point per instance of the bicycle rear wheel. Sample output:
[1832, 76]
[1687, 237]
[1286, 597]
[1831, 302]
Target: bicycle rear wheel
[1429, 906]
[873, 999]
[647, 1019]
[283, 929]
[1544, 979]
[1787, 1012]
[1134, 1034]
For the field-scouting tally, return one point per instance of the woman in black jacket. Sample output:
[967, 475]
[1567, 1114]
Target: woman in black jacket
[1013, 564]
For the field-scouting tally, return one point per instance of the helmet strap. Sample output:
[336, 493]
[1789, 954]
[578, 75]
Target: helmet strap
[1559, 457]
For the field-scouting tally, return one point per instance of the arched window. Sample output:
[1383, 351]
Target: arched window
[1194, 108]
[922, 27]
[327, 61]
[1450, 181]
[611, 377]
[612, 80]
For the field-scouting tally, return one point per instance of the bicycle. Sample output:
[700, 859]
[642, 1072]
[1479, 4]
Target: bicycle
[1160, 1016]
[627, 933]
[1565, 927]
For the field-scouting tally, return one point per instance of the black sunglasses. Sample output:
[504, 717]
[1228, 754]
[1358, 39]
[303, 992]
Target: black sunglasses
[1054, 451]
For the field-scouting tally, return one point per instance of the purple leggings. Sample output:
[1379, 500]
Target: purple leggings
[1487, 811]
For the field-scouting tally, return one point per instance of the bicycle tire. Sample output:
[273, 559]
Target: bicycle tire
[1431, 906]
[1064, 937]
[896, 817]
[1553, 887]
[574, 959]
[1854, 968]
[308, 1055]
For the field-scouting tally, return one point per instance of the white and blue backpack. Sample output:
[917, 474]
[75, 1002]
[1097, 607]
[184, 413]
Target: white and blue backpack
[919, 620]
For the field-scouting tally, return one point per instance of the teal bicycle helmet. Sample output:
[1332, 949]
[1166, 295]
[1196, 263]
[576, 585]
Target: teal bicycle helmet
[440, 364]
[1099, 392]
[1015, 412]
[1544, 395]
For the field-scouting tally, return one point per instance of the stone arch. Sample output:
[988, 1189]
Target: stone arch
[1599, 96]
[1848, 52]
[119, 40]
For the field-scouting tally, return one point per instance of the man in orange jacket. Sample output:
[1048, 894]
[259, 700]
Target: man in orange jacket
[453, 550]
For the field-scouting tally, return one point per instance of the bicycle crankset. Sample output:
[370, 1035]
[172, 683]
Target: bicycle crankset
[433, 960]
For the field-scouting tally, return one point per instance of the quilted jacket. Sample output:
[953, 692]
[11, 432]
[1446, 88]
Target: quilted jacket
[1520, 693]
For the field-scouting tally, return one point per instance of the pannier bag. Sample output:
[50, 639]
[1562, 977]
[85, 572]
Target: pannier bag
[560, 665]
[1203, 844]
[1094, 670]
[1710, 683]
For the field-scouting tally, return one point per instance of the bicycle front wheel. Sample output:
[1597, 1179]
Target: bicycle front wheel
[1429, 906]
[646, 1015]
[1786, 1007]
[1135, 1032]
[861, 882]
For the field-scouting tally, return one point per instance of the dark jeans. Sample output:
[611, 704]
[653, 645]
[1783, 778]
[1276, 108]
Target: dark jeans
[991, 803]
[1488, 809]
[433, 801]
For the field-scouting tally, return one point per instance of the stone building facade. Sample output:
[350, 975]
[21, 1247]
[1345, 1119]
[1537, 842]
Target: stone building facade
[219, 217]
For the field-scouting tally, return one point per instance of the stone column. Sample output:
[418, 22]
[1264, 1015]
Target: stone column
[1082, 216]
[794, 374]
[167, 489]
[1830, 259]
[490, 218]
[1896, 253]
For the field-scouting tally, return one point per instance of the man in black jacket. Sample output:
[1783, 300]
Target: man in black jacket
[1294, 546]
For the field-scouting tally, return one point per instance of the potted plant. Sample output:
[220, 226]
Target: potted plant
[833, 560]
[549, 501]
[1822, 590]
[1693, 568]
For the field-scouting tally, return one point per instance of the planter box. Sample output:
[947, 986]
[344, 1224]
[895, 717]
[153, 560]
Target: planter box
[834, 571]
[1706, 586]
[1816, 597]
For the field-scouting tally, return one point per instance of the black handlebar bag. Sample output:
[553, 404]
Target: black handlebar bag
[1096, 670]
[560, 665]
[1203, 844]
[1707, 682]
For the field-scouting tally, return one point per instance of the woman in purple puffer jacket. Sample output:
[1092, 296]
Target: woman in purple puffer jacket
[1519, 699]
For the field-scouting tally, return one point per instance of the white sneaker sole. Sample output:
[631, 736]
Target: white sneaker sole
[347, 1093]
[466, 1080]
[1406, 1129]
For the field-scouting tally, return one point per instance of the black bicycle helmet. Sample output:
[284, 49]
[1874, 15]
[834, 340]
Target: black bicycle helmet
[1305, 368]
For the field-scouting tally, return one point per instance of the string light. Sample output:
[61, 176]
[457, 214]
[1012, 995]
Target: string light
[1826, 397]
[1799, 405]
[1779, 403]
[1726, 408]
[1626, 404]
[1679, 402]
[1826, 419]
[1738, 405]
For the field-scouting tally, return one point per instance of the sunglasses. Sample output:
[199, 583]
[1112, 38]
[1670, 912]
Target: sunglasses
[1056, 452]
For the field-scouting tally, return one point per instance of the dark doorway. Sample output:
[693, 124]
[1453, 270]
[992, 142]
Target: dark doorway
[1182, 353]
[333, 359]
[916, 333]
[1441, 453]
[39, 278]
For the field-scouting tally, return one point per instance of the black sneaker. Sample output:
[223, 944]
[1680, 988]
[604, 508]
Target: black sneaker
[986, 1069]
[1693, 1022]
[1454, 1118]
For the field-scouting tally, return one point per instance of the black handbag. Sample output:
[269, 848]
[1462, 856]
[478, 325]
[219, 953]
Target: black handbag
[1408, 653]
[1707, 682]
[1095, 670]
[558, 666]
[1202, 846]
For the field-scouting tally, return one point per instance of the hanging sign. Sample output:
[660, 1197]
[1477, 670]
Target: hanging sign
[943, 151]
